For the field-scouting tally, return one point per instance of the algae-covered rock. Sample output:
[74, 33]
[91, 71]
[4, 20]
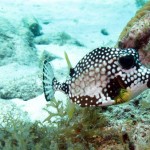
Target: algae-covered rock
[20, 81]
[46, 55]
[15, 47]
[104, 32]
[33, 25]
[136, 34]
[62, 38]
[44, 39]
[19, 63]
[59, 38]
[7, 49]
[141, 136]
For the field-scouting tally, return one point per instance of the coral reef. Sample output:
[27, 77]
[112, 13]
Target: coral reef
[122, 127]
[86, 129]
[136, 34]
[71, 127]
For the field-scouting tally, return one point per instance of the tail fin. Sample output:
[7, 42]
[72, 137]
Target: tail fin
[50, 84]
[48, 77]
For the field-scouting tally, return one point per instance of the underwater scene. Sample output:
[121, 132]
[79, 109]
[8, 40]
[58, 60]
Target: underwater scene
[75, 75]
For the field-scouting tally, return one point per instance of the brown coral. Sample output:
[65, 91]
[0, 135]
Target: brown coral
[136, 34]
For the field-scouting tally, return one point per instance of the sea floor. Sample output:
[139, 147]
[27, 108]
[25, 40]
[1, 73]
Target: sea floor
[92, 23]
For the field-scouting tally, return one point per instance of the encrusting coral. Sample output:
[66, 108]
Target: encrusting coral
[136, 34]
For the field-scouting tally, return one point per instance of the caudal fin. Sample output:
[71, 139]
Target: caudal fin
[48, 77]
[50, 84]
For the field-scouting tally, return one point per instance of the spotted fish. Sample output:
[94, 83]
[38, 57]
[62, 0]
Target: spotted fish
[103, 77]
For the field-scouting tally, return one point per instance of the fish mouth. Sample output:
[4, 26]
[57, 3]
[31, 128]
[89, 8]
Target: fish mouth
[124, 95]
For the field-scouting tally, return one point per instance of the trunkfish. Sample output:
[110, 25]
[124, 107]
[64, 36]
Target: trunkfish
[105, 76]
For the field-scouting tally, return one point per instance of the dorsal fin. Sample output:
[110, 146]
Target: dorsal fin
[70, 68]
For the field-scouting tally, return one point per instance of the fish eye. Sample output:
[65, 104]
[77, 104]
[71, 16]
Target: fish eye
[127, 61]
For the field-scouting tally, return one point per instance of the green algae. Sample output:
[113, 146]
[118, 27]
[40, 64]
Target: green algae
[67, 127]
[72, 127]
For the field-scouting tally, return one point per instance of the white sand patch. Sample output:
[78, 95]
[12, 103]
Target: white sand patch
[33, 107]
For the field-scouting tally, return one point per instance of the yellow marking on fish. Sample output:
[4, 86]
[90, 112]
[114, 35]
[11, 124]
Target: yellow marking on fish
[124, 96]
